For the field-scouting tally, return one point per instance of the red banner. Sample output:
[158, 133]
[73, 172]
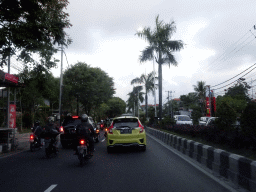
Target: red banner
[11, 78]
[12, 111]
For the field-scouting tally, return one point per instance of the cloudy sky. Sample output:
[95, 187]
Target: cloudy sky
[219, 37]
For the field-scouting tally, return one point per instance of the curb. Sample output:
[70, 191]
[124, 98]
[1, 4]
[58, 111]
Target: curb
[238, 170]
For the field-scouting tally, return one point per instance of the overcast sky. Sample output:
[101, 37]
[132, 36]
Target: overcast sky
[219, 43]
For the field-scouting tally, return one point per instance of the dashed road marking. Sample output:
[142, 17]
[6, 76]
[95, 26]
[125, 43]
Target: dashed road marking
[51, 188]
[102, 140]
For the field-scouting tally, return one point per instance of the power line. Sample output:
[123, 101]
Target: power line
[234, 81]
[234, 76]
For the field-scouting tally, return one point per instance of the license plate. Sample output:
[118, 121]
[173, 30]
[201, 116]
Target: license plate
[81, 149]
[125, 131]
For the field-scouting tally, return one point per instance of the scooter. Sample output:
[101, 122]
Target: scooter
[50, 145]
[35, 142]
[83, 151]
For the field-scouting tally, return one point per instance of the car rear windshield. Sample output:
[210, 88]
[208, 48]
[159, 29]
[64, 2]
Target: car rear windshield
[184, 118]
[73, 121]
[126, 122]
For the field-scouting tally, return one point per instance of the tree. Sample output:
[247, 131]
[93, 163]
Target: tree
[91, 86]
[200, 89]
[31, 26]
[160, 49]
[188, 100]
[148, 81]
[239, 91]
[116, 107]
[133, 98]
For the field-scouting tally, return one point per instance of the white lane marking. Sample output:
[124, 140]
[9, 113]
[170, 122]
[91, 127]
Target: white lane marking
[103, 140]
[51, 188]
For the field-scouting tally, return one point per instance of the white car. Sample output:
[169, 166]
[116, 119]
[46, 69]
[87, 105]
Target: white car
[210, 121]
[183, 119]
[203, 120]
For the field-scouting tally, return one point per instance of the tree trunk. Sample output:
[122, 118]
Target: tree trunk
[160, 88]
[146, 101]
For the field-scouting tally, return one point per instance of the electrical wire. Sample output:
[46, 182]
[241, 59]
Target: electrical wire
[234, 76]
[234, 81]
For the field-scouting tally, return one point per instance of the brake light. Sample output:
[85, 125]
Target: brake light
[82, 142]
[101, 125]
[61, 129]
[106, 129]
[75, 117]
[110, 129]
[141, 127]
[31, 136]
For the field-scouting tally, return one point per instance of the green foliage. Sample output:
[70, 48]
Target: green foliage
[166, 121]
[188, 100]
[248, 120]
[117, 107]
[32, 26]
[133, 99]
[91, 86]
[227, 116]
[239, 91]
[196, 114]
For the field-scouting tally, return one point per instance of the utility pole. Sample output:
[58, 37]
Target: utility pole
[138, 104]
[60, 84]
[210, 100]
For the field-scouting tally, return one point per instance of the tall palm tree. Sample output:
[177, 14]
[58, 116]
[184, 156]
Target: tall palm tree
[148, 81]
[160, 49]
[133, 98]
[200, 89]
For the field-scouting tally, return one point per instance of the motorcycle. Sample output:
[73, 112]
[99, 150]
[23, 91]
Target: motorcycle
[50, 144]
[83, 151]
[96, 136]
[35, 142]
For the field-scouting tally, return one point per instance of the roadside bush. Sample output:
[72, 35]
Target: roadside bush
[248, 124]
[195, 115]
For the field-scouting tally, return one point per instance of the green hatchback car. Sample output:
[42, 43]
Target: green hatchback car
[126, 131]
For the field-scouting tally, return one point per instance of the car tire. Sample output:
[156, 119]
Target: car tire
[143, 148]
[109, 150]
[64, 144]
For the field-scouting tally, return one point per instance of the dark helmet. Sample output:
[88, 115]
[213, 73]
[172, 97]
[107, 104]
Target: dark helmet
[84, 118]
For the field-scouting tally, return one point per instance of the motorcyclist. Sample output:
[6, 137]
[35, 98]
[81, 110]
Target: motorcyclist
[84, 129]
[52, 129]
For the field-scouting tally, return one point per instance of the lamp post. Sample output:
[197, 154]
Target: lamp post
[60, 84]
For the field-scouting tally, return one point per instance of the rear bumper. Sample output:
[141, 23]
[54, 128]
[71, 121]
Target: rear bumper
[127, 145]
[129, 141]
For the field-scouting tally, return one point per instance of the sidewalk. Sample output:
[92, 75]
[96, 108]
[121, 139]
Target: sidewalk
[23, 144]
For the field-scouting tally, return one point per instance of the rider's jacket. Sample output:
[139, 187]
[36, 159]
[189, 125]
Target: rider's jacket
[85, 129]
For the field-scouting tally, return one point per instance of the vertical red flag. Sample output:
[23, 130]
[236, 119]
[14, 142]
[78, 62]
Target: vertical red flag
[12, 111]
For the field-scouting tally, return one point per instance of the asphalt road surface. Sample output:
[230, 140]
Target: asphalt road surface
[157, 169]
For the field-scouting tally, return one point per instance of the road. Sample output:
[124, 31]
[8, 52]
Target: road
[157, 169]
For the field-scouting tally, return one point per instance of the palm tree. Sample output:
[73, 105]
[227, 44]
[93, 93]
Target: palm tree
[148, 81]
[133, 98]
[160, 49]
[200, 89]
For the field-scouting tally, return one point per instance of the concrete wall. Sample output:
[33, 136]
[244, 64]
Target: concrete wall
[240, 171]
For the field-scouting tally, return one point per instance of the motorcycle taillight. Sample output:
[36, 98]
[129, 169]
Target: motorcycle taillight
[82, 142]
[31, 136]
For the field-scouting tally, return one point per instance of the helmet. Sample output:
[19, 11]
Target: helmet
[37, 123]
[50, 119]
[84, 118]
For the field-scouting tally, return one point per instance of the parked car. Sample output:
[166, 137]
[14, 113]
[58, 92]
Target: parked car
[183, 119]
[126, 131]
[203, 120]
[211, 121]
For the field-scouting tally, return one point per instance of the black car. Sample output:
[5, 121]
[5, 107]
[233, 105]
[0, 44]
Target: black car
[69, 126]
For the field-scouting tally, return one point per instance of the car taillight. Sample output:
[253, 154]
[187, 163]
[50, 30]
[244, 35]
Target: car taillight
[141, 128]
[110, 129]
[75, 117]
[61, 129]
[101, 125]
[31, 136]
[82, 142]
